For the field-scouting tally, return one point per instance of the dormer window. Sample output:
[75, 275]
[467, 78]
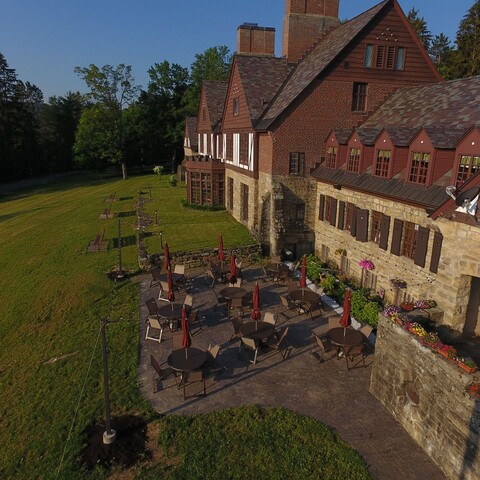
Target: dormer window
[383, 163]
[468, 166]
[331, 159]
[419, 167]
[236, 107]
[353, 160]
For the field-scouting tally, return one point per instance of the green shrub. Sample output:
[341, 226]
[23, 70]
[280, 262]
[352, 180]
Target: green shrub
[328, 284]
[314, 267]
[370, 313]
[358, 304]
[172, 180]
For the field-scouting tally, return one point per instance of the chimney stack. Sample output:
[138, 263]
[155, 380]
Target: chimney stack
[255, 40]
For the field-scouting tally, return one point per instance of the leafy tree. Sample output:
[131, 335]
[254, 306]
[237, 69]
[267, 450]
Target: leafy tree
[113, 89]
[443, 54]
[467, 58]
[419, 25]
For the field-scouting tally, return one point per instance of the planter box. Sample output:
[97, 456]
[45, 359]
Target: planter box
[445, 354]
[466, 367]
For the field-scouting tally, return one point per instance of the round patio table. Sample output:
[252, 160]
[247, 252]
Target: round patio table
[232, 292]
[187, 359]
[304, 295]
[345, 337]
[257, 330]
[176, 277]
[172, 311]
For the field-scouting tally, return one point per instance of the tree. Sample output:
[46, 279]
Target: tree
[467, 58]
[419, 25]
[113, 89]
[442, 54]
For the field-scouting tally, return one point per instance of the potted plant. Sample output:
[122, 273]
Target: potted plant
[474, 389]
[416, 329]
[423, 304]
[431, 340]
[467, 364]
[407, 306]
[391, 310]
[447, 351]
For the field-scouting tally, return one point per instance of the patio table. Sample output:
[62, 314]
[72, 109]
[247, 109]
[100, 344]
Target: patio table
[345, 337]
[187, 359]
[232, 292]
[257, 330]
[176, 277]
[172, 311]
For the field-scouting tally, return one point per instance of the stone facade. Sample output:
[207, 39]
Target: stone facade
[426, 394]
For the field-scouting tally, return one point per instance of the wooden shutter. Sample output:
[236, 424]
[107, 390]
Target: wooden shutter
[397, 236]
[353, 226]
[421, 246]
[384, 231]
[362, 225]
[333, 212]
[341, 215]
[436, 250]
[321, 210]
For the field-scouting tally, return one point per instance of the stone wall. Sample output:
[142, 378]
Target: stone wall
[426, 394]
[253, 205]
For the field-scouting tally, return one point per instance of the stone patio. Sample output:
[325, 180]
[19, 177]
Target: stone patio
[326, 391]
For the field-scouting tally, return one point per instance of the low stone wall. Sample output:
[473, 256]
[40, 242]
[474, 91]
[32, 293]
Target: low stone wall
[426, 394]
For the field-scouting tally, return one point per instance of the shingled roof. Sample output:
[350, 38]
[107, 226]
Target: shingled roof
[439, 106]
[261, 78]
[327, 49]
[191, 128]
[215, 93]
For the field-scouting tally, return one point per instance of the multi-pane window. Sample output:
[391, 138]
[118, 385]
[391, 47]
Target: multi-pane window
[348, 217]
[409, 242]
[383, 163]
[359, 97]
[469, 165]
[297, 163]
[419, 167]
[244, 200]
[353, 160]
[375, 226]
[236, 106]
[195, 183]
[243, 159]
[389, 57]
[331, 159]
[206, 189]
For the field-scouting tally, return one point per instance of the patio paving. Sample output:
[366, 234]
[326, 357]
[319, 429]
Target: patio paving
[326, 391]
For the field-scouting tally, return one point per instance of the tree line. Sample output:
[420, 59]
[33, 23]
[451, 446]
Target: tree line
[118, 122]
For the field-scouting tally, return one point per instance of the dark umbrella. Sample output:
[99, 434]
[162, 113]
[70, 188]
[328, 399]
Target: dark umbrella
[256, 315]
[232, 278]
[346, 320]
[186, 340]
[167, 257]
[221, 255]
[303, 277]
[170, 294]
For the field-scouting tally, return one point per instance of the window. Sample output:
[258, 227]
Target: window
[349, 217]
[388, 57]
[409, 239]
[380, 57]
[331, 160]
[400, 65]
[229, 153]
[359, 97]
[375, 227]
[244, 204]
[469, 165]
[383, 163]
[328, 208]
[236, 107]
[297, 163]
[353, 160]
[368, 56]
[243, 159]
[419, 167]
[195, 188]
[230, 193]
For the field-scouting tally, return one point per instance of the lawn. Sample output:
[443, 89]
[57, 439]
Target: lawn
[53, 296]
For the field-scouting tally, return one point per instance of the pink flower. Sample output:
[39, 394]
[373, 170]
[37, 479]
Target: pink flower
[366, 264]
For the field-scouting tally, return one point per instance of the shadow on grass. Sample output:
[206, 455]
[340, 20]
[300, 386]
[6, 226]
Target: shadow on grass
[130, 213]
[126, 241]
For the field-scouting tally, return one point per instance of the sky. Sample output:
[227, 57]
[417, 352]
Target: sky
[43, 40]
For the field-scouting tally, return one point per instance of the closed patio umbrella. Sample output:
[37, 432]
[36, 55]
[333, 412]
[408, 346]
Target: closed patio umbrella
[167, 256]
[303, 277]
[346, 320]
[232, 278]
[186, 340]
[170, 294]
[256, 315]
[221, 255]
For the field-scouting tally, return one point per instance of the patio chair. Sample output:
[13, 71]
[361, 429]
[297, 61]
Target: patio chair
[237, 304]
[155, 273]
[366, 330]
[287, 305]
[160, 374]
[353, 352]
[163, 293]
[280, 344]
[291, 286]
[154, 324]
[266, 276]
[190, 378]
[321, 346]
[249, 344]
[210, 277]
[237, 324]
[238, 283]
[180, 269]
[194, 321]
[271, 318]
[210, 364]
[188, 302]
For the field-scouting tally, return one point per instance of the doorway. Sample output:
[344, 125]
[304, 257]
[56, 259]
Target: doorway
[472, 319]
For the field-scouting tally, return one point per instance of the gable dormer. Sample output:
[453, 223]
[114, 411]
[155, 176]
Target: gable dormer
[421, 158]
[360, 149]
[336, 148]
[467, 157]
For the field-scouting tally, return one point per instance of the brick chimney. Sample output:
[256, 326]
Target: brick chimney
[255, 40]
[304, 22]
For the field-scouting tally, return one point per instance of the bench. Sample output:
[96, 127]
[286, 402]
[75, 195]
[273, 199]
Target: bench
[106, 214]
[112, 198]
[99, 244]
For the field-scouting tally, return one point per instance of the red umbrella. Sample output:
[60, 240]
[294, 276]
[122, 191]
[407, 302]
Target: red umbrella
[346, 320]
[167, 256]
[256, 315]
[232, 278]
[221, 255]
[303, 278]
[170, 294]
[186, 340]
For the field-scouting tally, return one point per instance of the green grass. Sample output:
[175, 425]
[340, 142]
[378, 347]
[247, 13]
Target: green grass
[250, 443]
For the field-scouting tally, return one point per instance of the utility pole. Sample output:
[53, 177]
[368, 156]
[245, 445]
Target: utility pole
[109, 435]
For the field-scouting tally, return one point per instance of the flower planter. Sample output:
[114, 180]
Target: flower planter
[446, 355]
[466, 367]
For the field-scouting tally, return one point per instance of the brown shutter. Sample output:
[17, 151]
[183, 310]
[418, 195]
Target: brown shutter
[362, 225]
[333, 212]
[341, 216]
[384, 231]
[436, 250]
[353, 226]
[397, 236]
[321, 210]
[421, 246]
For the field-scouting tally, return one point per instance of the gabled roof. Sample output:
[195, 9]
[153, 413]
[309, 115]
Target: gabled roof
[190, 129]
[261, 78]
[444, 137]
[438, 106]
[327, 49]
[215, 93]
[368, 135]
[341, 134]
[401, 136]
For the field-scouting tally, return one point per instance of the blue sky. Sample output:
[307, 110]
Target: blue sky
[43, 40]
